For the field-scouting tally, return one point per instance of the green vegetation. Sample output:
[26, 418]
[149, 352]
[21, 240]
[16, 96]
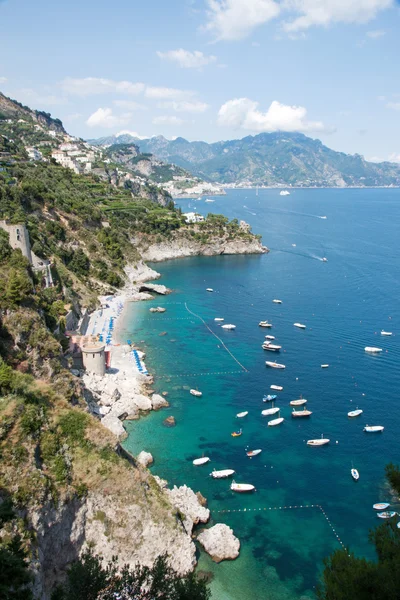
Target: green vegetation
[347, 577]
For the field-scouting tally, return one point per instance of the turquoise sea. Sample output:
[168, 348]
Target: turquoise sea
[345, 303]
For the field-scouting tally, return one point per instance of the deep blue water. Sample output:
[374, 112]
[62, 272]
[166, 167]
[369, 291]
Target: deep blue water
[344, 303]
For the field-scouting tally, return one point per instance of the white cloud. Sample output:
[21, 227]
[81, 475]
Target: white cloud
[103, 117]
[243, 113]
[235, 19]
[394, 158]
[90, 86]
[187, 59]
[378, 33]
[160, 93]
[132, 133]
[3, 79]
[165, 120]
[326, 12]
[129, 105]
[185, 106]
[393, 105]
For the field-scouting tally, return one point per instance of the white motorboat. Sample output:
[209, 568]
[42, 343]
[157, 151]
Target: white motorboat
[324, 259]
[223, 474]
[242, 487]
[355, 413]
[278, 388]
[381, 505]
[373, 428]
[275, 422]
[294, 245]
[318, 442]
[252, 453]
[269, 337]
[324, 217]
[277, 301]
[298, 402]
[301, 413]
[271, 347]
[274, 365]
[196, 393]
[264, 324]
[299, 325]
[324, 366]
[228, 326]
[284, 193]
[386, 332]
[269, 397]
[209, 290]
[219, 319]
[270, 411]
[387, 514]
[242, 414]
[372, 349]
[355, 474]
[209, 200]
[201, 461]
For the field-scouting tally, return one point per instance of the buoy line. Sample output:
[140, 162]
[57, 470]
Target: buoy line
[218, 338]
[202, 374]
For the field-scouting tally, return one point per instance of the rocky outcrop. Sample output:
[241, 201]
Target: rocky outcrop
[162, 290]
[145, 459]
[169, 421]
[186, 501]
[157, 309]
[140, 272]
[158, 402]
[219, 542]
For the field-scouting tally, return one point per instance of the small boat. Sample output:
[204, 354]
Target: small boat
[271, 347]
[242, 487]
[301, 413]
[355, 474]
[294, 245]
[252, 453]
[387, 514]
[299, 325]
[278, 388]
[274, 365]
[219, 319]
[324, 366]
[323, 217]
[381, 505]
[372, 349]
[373, 428]
[324, 259]
[276, 301]
[318, 442]
[269, 337]
[237, 433]
[242, 414]
[275, 422]
[264, 324]
[386, 332]
[209, 290]
[223, 474]
[196, 393]
[269, 397]
[201, 461]
[228, 326]
[284, 193]
[299, 402]
[209, 200]
[270, 411]
[355, 413]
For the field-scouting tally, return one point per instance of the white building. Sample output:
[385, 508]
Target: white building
[192, 217]
[34, 154]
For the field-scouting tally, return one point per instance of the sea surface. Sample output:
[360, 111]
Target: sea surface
[344, 303]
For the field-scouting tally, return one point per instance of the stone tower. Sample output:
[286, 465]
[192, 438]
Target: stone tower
[94, 359]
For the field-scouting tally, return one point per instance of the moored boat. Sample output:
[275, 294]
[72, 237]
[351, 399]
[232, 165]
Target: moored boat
[264, 324]
[275, 422]
[355, 413]
[274, 365]
[299, 402]
[324, 366]
[355, 474]
[242, 487]
[223, 474]
[269, 337]
[196, 393]
[277, 301]
[269, 397]
[219, 319]
[271, 347]
[381, 505]
[318, 442]
[299, 325]
[252, 453]
[386, 332]
[242, 414]
[209, 290]
[372, 349]
[373, 428]
[301, 413]
[201, 461]
[387, 514]
[278, 388]
[270, 411]
[228, 326]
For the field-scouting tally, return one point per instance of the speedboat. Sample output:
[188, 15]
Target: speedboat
[209, 200]
[264, 324]
[355, 474]
[276, 301]
[284, 193]
[324, 259]
[228, 326]
[324, 217]
[373, 428]
[209, 290]
[269, 337]
[222, 474]
[252, 453]
[381, 505]
[242, 414]
[271, 347]
[355, 413]
[270, 411]
[274, 365]
[269, 397]
[301, 413]
[299, 325]
[237, 433]
[219, 319]
[196, 393]
[201, 461]
[275, 422]
[324, 366]
[387, 514]
[386, 332]
[278, 388]
[299, 402]
[372, 349]
[242, 487]
[318, 442]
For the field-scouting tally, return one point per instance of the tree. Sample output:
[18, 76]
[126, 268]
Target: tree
[14, 574]
[19, 287]
[80, 263]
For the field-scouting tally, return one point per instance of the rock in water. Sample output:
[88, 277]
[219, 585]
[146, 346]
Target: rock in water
[219, 542]
[158, 402]
[145, 458]
[169, 422]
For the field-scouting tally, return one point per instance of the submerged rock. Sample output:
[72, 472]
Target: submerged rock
[219, 542]
[145, 458]
[169, 422]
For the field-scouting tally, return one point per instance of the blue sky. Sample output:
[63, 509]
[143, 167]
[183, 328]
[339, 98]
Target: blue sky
[210, 69]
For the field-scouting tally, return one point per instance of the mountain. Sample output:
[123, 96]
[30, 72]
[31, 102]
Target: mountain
[271, 159]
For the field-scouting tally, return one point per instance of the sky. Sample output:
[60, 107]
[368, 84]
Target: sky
[210, 69]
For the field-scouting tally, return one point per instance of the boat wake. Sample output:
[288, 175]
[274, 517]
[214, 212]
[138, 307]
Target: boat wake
[249, 211]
